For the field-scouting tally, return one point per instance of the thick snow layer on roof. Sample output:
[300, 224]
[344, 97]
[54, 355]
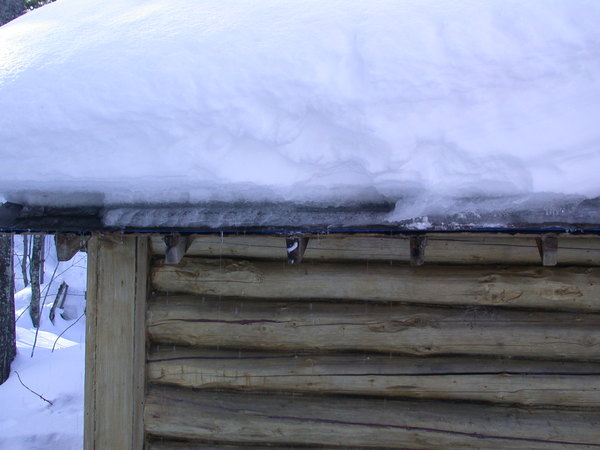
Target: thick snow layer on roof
[432, 101]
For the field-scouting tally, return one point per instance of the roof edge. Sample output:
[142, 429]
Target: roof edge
[271, 218]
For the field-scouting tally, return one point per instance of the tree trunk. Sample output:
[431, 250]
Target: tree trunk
[24, 260]
[10, 9]
[35, 266]
[42, 257]
[8, 348]
[59, 299]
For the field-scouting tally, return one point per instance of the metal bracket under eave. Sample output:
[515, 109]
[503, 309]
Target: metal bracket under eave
[177, 245]
[68, 244]
[295, 246]
[417, 249]
[547, 245]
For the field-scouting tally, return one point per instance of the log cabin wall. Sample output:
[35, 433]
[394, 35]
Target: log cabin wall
[480, 347]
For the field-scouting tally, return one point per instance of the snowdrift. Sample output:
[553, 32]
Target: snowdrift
[424, 103]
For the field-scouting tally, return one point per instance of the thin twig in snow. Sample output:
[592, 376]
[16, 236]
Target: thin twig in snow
[64, 331]
[32, 391]
[23, 312]
[73, 264]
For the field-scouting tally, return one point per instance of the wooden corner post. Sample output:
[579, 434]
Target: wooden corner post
[115, 342]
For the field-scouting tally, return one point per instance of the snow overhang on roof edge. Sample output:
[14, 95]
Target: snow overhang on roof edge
[247, 217]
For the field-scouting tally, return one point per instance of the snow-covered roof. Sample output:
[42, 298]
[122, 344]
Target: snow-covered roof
[474, 110]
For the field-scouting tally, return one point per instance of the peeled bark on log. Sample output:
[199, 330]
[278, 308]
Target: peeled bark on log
[283, 419]
[246, 324]
[459, 248]
[490, 380]
[572, 288]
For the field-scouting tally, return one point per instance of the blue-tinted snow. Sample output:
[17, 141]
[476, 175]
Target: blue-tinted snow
[421, 103]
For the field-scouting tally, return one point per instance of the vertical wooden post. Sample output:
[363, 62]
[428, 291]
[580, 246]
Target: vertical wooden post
[115, 342]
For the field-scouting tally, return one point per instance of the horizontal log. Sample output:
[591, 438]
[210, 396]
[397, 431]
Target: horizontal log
[247, 324]
[491, 380]
[573, 288]
[460, 248]
[283, 419]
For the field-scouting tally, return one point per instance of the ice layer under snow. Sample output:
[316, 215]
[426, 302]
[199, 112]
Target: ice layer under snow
[153, 101]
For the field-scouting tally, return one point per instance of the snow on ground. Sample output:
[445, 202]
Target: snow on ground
[188, 101]
[26, 421]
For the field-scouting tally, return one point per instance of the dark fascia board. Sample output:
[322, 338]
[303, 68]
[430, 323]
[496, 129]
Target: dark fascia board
[281, 218]
[21, 218]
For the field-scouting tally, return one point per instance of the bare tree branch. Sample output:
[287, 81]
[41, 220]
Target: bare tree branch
[31, 390]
